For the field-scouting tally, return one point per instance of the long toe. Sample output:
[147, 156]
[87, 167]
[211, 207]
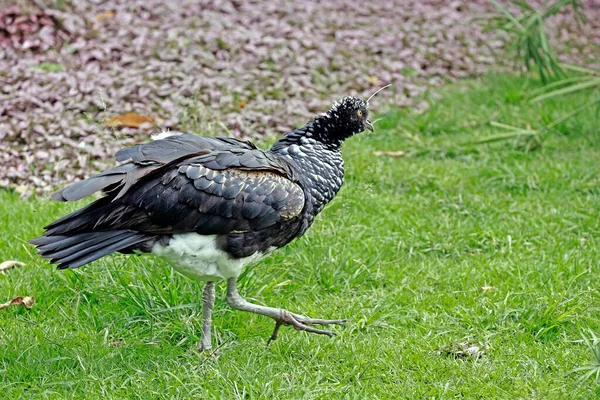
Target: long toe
[302, 323]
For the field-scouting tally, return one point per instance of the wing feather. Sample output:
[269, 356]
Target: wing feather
[177, 185]
[144, 159]
[218, 201]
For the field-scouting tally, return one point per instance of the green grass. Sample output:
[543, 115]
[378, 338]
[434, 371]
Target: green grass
[454, 242]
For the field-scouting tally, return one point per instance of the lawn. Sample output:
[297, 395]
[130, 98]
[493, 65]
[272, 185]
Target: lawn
[454, 242]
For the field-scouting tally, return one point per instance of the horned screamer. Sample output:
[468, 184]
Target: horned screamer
[210, 206]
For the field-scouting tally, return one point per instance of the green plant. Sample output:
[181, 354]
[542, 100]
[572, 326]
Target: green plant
[587, 79]
[529, 40]
[593, 368]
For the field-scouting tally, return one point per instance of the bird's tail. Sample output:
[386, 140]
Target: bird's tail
[86, 235]
[76, 249]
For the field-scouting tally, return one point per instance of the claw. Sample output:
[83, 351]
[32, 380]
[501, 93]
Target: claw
[275, 332]
[207, 352]
[281, 317]
[301, 323]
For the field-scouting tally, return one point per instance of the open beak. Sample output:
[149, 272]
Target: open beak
[369, 126]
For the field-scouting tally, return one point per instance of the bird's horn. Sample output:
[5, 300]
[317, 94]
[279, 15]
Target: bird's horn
[378, 90]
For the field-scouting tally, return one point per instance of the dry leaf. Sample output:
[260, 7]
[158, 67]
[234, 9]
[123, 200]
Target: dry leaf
[103, 16]
[465, 350]
[390, 153]
[129, 120]
[26, 302]
[6, 265]
[374, 80]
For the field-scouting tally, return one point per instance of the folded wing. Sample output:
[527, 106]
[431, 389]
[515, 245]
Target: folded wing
[177, 187]
[143, 159]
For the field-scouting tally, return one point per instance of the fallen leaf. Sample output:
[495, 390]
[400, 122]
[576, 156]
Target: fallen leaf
[129, 120]
[389, 154]
[105, 15]
[26, 302]
[374, 80]
[6, 265]
[24, 191]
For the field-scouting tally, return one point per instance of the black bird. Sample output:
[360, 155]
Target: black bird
[210, 206]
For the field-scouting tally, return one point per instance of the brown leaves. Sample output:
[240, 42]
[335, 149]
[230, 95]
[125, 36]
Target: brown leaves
[26, 302]
[6, 265]
[129, 120]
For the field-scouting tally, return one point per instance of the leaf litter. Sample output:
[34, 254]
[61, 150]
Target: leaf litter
[231, 68]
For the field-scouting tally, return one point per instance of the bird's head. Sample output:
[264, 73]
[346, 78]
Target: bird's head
[346, 117]
[349, 116]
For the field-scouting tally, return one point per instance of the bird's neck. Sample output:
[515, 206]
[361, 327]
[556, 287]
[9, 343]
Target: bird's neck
[320, 161]
[322, 130]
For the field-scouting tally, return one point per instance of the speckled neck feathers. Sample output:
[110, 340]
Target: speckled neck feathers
[316, 153]
[330, 129]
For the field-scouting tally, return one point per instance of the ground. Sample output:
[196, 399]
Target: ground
[454, 242]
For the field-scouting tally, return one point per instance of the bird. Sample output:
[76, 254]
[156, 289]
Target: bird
[210, 206]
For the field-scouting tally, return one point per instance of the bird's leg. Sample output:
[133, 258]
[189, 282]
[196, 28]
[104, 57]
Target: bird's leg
[281, 317]
[208, 301]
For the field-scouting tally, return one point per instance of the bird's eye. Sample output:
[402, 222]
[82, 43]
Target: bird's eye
[359, 113]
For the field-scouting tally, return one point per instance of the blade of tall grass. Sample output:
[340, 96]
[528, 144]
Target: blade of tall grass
[562, 82]
[572, 113]
[529, 39]
[570, 89]
[515, 133]
[508, 15]
[576, 68]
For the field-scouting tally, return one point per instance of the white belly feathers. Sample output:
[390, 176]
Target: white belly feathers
[197, 257]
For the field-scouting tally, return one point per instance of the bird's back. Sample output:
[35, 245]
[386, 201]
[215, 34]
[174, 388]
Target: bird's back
[244, 199]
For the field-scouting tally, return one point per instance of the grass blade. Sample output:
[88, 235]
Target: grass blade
[574, 88]
[572, 113]
[508, 15]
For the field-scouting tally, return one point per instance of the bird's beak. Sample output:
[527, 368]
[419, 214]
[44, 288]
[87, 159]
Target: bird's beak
[369, 126]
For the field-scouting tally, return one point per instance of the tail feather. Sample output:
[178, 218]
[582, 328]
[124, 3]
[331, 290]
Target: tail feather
[77, 249]
[80, 220]
[50, 242]
[68, 251]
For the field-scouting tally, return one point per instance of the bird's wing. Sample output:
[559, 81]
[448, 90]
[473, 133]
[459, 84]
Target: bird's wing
[215, 192]
[174, 147]
[142, 159]
[218, 193]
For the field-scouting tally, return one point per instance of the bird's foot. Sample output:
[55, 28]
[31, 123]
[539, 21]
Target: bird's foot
[302, 323]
